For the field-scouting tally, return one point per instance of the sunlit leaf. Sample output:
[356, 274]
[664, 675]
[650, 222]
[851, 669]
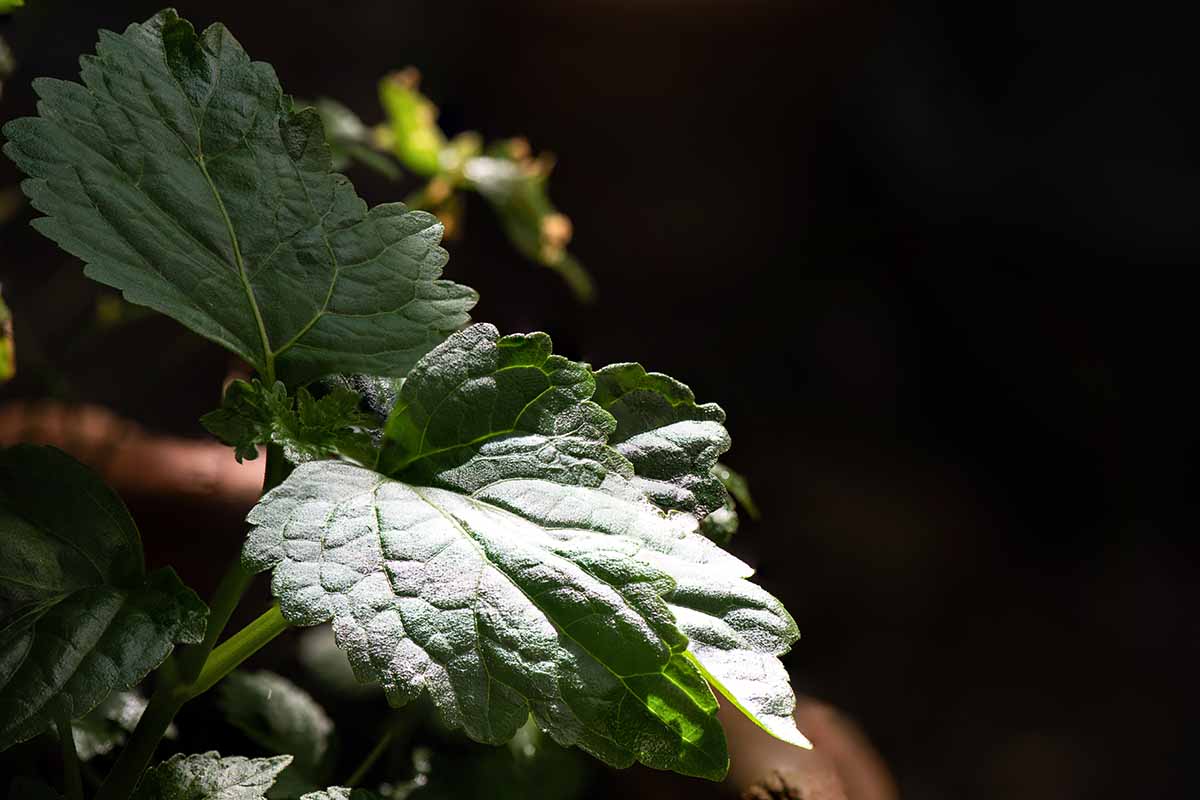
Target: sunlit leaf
[208, 776]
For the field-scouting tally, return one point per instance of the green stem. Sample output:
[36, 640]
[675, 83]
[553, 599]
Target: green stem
[378, 750]
[72, 780]
[236, 649]
[225, 600]
[168, 698]
[198, 668]
[123, 779]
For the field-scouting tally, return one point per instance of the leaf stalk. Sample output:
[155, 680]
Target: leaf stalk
[198, 668]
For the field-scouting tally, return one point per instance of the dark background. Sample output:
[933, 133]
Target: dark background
[932, 260]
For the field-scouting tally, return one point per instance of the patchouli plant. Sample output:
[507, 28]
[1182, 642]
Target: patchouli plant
[512, 532]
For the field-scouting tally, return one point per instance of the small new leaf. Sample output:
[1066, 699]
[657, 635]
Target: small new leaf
[183, 176]
[208, 776]
[307, 428]
[284, 719]
[79, 616]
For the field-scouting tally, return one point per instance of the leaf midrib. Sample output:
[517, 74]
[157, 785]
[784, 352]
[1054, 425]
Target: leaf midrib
[484, 557]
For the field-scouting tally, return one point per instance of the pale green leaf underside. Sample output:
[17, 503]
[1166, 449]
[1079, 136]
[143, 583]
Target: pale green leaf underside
[208, 776]
[496, 614]
[78, 617]
[180, 173]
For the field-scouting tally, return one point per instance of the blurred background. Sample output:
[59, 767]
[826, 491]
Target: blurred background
[930, 258]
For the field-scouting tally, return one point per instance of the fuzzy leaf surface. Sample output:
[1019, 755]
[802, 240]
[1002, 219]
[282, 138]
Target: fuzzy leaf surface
[79, 617]
[181, 174]
[672, 441]
[450, 576]
[482, 407]
[208, 776]
[497, 613]
[737, 631]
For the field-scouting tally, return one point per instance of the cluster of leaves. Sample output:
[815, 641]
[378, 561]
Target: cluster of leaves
[513, 533]
[504, 173]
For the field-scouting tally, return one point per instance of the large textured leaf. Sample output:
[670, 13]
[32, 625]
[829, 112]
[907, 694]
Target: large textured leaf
[486, 406]
[495, 613]
[736, 630]
[502, 517]
[672, 441]
[79, 618]
[283, 718]
[207, 776]
[182, 175]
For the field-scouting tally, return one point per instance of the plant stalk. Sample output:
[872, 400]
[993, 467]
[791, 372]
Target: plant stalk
[199, 667]
[236, 649]
[168, 698]
[72, 778]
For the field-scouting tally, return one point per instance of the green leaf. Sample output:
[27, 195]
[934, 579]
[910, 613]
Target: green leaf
[306, 428]
[487, 406]
[341, 793]
[79, 617]
[515, 186]
[495, 613]
[507, 592]
[416, 138]
[284, 719]
[736, 630]
[672, 442]
[182, 175]
[208, 776]
[8, 5]
[107, 725]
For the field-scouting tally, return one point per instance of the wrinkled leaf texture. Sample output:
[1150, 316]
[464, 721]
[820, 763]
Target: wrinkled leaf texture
[504, 559]
[182, 175]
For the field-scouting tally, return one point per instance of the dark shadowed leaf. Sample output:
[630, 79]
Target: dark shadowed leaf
[79, 618]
